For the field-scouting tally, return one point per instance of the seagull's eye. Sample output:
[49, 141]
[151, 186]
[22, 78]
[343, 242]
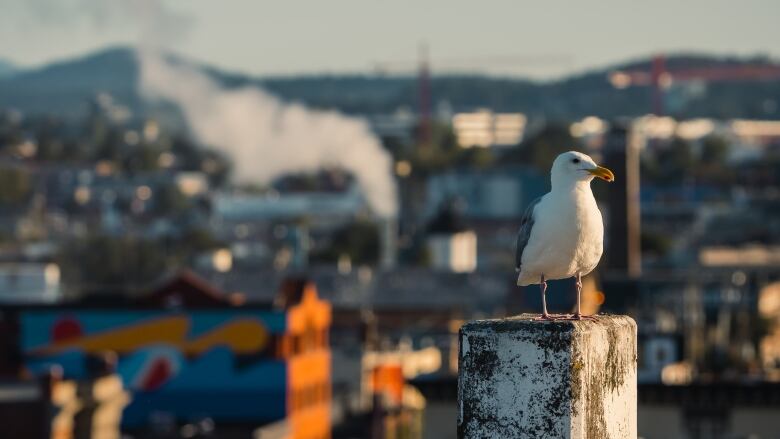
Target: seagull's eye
[575, 160]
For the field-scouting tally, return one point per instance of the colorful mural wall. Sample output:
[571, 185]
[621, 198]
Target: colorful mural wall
[232, 365]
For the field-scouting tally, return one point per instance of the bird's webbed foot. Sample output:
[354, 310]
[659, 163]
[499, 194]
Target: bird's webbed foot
[578, 316]
[553, 317]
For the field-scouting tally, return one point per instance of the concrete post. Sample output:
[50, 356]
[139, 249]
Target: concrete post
[523, 378]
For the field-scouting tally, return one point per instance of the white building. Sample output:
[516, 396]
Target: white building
[484, 128]
[456, 252]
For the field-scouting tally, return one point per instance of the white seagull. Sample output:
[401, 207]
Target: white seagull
[562, 233]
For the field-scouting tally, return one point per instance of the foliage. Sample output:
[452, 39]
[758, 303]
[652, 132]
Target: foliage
[714, 151]
[655, 243]
[475, 157]
[143, 157]
[676, 161]
[15, 185]
[541, 149]
[437, 154]
[169, 201]
[359, 241]
[669, 164]
[195, 240]
[109, 263]
[441, 152]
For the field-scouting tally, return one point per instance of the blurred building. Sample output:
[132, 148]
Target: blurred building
[750, 138]
[451, 246]
[769, 346]
[50, 407]
[30, 283]
[455, 251]
[398, 126]
[621, 154]
[330, 207]
[188, 352]
[484, 129]
[498, 194]
[658, 352]
[279, 228]
[490, 202]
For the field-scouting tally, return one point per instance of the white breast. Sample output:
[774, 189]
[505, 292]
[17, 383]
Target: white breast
[566, 239]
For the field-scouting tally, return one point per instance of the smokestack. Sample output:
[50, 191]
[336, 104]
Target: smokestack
[621, 153]
[299, 242]
[388, 235]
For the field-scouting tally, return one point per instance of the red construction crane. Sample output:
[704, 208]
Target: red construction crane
[424, 96]
[660, 78]
[476, 63]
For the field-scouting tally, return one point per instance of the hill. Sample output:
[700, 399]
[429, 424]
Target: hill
[65, 87]
[7, 69]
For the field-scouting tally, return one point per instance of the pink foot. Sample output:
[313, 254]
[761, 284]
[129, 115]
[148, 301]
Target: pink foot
[592, 318]
[565, 317]
[553, 317]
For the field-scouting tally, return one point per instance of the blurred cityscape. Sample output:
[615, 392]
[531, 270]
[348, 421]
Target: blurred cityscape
[191, 253]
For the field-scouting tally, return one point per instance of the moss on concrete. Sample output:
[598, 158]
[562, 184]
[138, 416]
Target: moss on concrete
[551, 364]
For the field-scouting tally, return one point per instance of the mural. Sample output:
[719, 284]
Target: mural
[232, 364]
[218, 363]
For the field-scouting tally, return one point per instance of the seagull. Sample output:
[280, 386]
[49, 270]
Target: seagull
[562, 233]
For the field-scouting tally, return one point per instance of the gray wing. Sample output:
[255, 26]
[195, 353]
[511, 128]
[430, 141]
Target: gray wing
[526, 224]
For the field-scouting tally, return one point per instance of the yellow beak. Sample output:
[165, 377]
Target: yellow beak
[602, 173]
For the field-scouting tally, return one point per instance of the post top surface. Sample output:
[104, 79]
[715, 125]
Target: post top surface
[525, 322]
[520, 377]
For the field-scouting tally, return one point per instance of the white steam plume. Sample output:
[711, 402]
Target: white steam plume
[266, 137]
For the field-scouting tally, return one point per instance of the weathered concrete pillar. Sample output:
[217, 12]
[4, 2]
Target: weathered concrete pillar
[523, 378]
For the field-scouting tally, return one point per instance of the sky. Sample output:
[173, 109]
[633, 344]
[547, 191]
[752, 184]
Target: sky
[543, 39]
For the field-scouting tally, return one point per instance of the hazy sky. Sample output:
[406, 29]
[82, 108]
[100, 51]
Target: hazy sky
[542, 38]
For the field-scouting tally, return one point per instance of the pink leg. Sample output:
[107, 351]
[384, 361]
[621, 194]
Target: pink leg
[547, 316]
[543, 287]
[578, 315]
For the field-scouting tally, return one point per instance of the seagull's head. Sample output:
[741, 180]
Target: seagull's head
[573, 167]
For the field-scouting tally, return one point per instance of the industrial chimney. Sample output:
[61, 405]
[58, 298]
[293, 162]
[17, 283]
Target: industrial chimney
[388, 235]
[621, 153]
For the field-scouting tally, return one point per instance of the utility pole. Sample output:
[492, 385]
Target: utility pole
[424, 97]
